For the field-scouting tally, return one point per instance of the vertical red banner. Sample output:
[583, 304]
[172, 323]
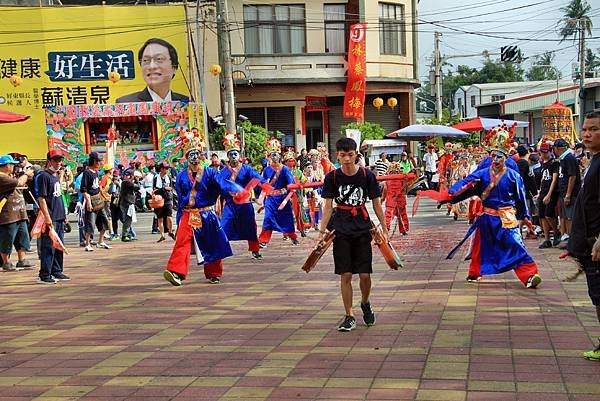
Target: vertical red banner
[354, 99]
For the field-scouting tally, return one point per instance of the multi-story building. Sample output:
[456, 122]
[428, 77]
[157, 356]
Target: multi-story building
[290, 64]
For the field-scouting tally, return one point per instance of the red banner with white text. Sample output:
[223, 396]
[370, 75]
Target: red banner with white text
[354, 100]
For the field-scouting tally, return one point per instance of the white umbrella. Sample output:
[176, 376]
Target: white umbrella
[421, 130]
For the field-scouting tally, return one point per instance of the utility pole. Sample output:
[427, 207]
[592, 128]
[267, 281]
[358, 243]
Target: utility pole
[581, 70]
[438, 77]
[227, 77]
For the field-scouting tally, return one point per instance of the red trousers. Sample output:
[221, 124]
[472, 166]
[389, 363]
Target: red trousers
[265, 236]
[399, 210]
[253, 246]
[179, 261]
[523, 272]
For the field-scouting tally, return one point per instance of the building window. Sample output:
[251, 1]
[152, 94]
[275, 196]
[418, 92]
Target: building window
[335, 28]
[460, 106]
[391, 29]
[274, 29]
[497, 98]
[473, 101]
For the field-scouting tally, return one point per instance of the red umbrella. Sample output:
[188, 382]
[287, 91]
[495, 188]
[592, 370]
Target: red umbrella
[10, 117]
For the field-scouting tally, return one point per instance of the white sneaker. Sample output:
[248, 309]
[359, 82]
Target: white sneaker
[104, 245]
[88, 248]
[564, 237]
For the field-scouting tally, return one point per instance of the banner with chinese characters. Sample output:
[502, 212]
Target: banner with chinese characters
[61, 56]
[354, 100]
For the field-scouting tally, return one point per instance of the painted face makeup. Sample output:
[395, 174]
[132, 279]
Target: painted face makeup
[194, 157]
[233, 155]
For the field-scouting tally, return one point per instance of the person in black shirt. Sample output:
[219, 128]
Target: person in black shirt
[584, 242]
[90, 187]
[350, 186]
[52, 208]
[548, 196]
[569, 182]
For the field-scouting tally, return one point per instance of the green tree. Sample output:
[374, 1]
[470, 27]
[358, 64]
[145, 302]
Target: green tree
[574, 12]
[448, 119]
[539, 70]
[255, 137]
[367, 130]
[592, 61]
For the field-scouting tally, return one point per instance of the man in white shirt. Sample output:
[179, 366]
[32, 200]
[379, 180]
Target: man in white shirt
[430, 160]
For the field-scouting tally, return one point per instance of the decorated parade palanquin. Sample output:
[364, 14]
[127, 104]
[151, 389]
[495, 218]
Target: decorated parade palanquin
[557, 120]
[77, 130]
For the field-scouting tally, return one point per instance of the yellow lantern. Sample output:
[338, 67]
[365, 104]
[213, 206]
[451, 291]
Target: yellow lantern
[378, 102]
[215, 69]
[392, 102]
[114, 77]
[15, 80]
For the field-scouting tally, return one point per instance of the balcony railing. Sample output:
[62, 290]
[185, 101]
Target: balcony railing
[275, 67]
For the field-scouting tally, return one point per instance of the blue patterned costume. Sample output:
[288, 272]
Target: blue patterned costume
[238, 221]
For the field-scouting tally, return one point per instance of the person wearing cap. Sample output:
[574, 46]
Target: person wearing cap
[584, 242]
[528, 179]
[90, 187]
[497, 245]
[405, 164]
[569, 183]
[430, 160]
[548, 196]
[52, 207]
[239, 220]
[198, 225]
[13, 215]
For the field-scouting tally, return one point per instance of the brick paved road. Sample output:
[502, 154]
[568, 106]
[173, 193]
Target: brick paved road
[117, 331]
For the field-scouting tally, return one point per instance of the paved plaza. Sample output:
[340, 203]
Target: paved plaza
[118, 331]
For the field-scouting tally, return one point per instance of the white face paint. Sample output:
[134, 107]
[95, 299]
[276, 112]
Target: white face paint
[276, 157]
[233, 155]
[194, 157]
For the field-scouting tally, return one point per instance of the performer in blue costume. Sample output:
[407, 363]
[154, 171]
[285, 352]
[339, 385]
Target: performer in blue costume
[497, 245]
[197, 190]
[279, 177]
[238, 220]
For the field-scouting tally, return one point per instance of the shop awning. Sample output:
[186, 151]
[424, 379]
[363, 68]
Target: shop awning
[481, 123]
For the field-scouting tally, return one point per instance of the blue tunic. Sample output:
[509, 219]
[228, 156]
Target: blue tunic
[239, 221]
[278, 220]
[210, 238]
[502, 248]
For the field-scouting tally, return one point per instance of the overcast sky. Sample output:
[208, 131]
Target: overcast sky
[536, 19]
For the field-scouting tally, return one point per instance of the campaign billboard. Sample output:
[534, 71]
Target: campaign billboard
[63, 56]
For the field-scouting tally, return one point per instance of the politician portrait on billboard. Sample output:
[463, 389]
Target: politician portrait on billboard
[159, 62]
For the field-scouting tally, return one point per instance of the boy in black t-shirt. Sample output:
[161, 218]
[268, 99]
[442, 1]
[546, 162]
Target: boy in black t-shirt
[351, 186]
[548, 196]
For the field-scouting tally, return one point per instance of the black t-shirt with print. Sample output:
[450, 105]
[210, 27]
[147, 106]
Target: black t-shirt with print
[90, 183]
[548, 169]
[569, 167]
[49, 189]
[353, 191]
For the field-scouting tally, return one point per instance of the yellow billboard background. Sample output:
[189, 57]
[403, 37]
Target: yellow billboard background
[30, 34]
